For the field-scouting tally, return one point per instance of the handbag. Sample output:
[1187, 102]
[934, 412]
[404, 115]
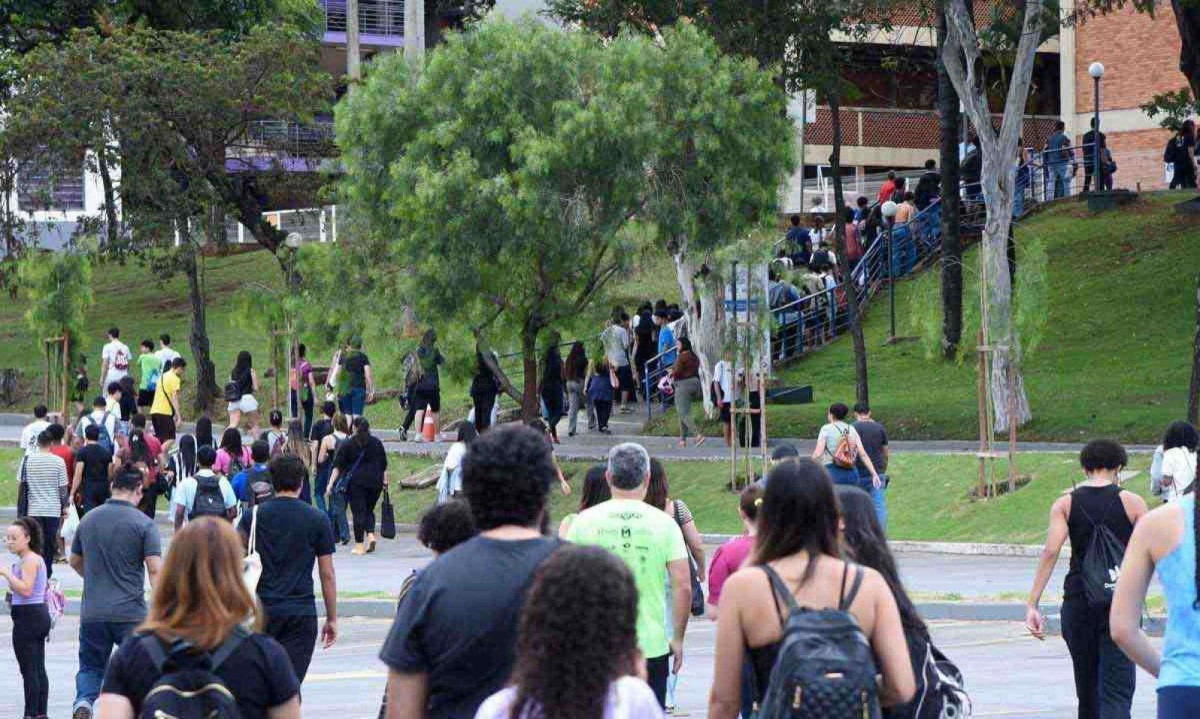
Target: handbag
[697, 589]
[22, 492]
[387, 518]
[252, 564]
[342, 486]
[233, 392]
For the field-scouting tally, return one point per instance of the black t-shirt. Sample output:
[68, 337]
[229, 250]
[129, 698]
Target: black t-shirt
[458, 623]
[369, 471]
[874, 439]
[320, 430]
[95, 460]
[245, 382]
[291, 535]
[355, 365]
[258, 673]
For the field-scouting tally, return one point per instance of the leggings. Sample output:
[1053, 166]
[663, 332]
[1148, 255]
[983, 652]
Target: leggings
[685, 391]
[362, 505]
[49, 541]
[31, 626]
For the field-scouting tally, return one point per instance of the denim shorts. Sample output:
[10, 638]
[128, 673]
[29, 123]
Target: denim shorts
[354, 401]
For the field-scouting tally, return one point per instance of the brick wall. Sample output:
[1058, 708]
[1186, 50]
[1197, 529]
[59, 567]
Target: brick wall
[1140, 56]
[1139, 158]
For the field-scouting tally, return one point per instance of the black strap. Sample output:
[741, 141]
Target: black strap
[1116, 498]
[780, 589]
[154, 647]
[848, 599]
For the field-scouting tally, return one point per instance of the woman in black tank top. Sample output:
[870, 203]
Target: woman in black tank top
[1104, 676]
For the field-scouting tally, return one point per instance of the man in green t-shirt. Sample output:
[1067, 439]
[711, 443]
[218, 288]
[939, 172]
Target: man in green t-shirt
[149, 370]
[650, 542]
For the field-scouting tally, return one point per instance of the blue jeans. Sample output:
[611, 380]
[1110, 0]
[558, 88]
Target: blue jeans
[848, 477]
[1062, 179]
[354, 401]
[879, 496]
[337, 515]
[1178, 702]
[320, 484]
[96, 643]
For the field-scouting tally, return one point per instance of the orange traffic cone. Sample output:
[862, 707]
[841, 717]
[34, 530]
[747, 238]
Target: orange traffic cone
[429, 427]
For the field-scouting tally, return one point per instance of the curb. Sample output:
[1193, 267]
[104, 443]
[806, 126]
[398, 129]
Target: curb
[968, 549]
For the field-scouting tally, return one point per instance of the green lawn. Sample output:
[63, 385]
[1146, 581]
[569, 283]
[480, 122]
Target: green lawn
[928, 499]
[1116, 355]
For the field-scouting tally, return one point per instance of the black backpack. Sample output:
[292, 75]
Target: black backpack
[259, 487]
[1101, 563]
[188, 687]
[941, 693]
[825, 667]
[209, 501]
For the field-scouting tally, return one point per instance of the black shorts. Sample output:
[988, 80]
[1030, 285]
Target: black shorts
[145, 397]
[725, 414]
[625, 378]
[432, 398]
[164, 426]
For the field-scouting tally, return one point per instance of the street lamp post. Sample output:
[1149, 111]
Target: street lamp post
[1096, 70]
[889, 209]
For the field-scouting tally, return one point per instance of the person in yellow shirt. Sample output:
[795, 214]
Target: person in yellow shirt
[164, 411]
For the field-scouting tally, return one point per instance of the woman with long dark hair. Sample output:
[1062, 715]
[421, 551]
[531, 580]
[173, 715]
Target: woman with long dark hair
[243, 381]
[449, 483]
[137, 453]
[1178, 460]
[484, 389]
[334, 507]
[797, 547]
[864, 542]
[595, 491]
[202, 601]
[552, 385]
[363, 463]
[577, 652]
[232, 455]
[30, 619]
[204, 432]
[575, 371]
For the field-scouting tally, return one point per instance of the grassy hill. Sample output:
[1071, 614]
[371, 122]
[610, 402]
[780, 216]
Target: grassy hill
[1116, 355]
[143, 305]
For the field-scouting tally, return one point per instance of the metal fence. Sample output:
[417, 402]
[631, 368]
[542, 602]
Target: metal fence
[375, 17]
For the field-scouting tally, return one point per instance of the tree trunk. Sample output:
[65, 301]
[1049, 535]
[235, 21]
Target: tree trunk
[952, 270]
[529, 403]
[1193, 411]
[861, 387]
[113, 229]
[206, 380]
[703, 302]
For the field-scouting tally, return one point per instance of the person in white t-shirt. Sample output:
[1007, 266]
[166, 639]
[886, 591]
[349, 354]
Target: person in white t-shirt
[114, 359]
[1179, 460]
[166, 354]
[722, 389]
[29, 434]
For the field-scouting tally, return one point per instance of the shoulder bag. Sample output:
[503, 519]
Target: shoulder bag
[252, 564]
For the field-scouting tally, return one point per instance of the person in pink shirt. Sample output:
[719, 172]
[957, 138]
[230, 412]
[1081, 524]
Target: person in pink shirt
[731, 555]
[232, 456]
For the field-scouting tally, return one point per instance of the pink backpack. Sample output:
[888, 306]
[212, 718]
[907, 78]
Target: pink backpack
[56, 602]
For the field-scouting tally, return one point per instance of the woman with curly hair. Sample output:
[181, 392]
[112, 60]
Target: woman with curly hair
[577, 655]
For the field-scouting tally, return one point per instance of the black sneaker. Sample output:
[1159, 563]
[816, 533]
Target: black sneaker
[403, 434]
[82, 711]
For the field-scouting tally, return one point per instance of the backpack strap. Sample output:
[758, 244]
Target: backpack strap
[780, 589]
[848, 598]
[227, 648]
[153, 646]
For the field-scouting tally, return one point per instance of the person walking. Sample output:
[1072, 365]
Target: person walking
[731, 555]
[27, 579]
[1164, 541]
[139, 454]
[552, 385]
[253, 484]
[45, 477]
[240, 391]
[723, 397]
[645, 344]
[1180, 153]
[1104, 677]
[658, 559]
[686, 376]
[839, 448]
[616, 350]
[292, 537]
[484, 389]
[165, 410]
[874, 441]
[275, 436]
[360, 472]
[1089, 158]
[150, 368]
[110, 548]
[575, 374]
[204, 494]
[600, 389]
[1179, 446]
[166, 353]
[796, 563]
[929, 186]
[595, 491]
[303, 388]
[359, 384]
[114, 358]
[453, 642]
[577, 653]
[232, 455]
[298, 447]
[93, 467]
[333, 505]
[196, 614]
[427, 393]
[1060, 159]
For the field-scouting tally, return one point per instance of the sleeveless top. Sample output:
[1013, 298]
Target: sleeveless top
[38, 596]
[1101, 505]
[1177, 573]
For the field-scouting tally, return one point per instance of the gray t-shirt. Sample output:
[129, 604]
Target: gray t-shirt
[874, 439]
[833, 433]
[114, 540]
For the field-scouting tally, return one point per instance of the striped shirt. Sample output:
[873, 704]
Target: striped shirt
[46, 477]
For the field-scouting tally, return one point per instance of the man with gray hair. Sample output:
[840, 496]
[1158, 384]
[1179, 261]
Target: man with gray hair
[650, 542]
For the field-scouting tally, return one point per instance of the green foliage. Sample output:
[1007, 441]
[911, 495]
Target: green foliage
[58, 289]
[1032, 292]
[1175, 107]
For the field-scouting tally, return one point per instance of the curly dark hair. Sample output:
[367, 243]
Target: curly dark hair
[446, 526]
[507, 474]
[578, 634]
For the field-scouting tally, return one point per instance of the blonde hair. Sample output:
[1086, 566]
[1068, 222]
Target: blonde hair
[200, 595]
[297, 444]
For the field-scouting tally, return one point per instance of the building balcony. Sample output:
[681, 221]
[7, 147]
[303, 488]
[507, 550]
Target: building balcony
[380, 22]
[283, 144]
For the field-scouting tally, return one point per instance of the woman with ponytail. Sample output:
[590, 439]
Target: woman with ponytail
[360, 470]
[1164, 540]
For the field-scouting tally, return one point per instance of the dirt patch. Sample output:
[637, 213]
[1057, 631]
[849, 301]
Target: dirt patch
[997, 489]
